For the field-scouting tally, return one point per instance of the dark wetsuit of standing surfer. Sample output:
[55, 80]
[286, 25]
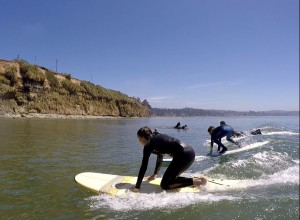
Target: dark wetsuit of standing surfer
[183, 157]
[218, 133]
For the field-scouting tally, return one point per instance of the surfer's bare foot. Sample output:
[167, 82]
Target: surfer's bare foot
[197, 181]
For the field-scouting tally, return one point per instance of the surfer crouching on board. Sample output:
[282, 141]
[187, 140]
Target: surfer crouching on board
[183, 157]
[217, 134]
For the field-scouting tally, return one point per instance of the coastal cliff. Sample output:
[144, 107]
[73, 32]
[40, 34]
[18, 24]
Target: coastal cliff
[31, 89]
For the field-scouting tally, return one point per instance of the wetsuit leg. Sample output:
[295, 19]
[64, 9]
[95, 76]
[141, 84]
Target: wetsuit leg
[229, 133]
[219, 143]
[181, 162]
[219, 146]
[217, 139]
[229, 138]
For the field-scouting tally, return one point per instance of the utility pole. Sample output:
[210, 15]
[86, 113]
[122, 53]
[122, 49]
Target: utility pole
[56, 63]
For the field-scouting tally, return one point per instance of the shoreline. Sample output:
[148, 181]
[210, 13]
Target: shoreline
[57, 116]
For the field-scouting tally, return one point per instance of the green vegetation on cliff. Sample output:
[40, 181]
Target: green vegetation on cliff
[26, 88]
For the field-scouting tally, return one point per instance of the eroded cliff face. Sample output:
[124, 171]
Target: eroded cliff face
[26, 88]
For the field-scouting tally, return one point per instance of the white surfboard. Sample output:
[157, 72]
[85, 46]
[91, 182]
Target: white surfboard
[117, 185]
[166, 161]
[247, 147]
[224, 140]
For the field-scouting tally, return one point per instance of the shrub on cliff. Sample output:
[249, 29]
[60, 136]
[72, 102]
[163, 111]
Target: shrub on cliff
[96, 92]
[11, 75]
[31, 73]
[53, 81]
[4, 80]
[72, 87]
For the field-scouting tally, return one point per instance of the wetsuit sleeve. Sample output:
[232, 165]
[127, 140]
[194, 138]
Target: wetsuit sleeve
[143, 168]
[158, 163]
[211, 141]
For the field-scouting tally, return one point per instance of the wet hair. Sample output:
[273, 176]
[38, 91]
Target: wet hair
[210, 129]
[145, 132]
[222, 123]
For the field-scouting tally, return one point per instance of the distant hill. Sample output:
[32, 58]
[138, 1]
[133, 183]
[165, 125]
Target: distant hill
[27, 88]
[189, 112]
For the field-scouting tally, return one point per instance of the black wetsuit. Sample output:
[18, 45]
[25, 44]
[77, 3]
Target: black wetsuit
[219, 133]
[183, 157]
[258, 131]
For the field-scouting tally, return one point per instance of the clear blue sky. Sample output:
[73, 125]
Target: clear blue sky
[209, 54]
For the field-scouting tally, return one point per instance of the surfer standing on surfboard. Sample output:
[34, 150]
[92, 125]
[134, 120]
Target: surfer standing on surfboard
[183, 157]
[218, 133]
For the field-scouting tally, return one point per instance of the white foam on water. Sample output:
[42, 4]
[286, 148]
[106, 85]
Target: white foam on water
[269, 158]
[200, 158]
[139, 201]
[268, 167]
[264, 162]
[289, 133]
[289, 175]
[283, 178]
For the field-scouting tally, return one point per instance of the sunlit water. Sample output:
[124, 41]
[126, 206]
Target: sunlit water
[40, 157]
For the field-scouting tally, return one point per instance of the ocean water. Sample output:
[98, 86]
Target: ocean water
[40, 157]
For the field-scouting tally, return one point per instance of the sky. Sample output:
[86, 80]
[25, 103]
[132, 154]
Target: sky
[207, 54]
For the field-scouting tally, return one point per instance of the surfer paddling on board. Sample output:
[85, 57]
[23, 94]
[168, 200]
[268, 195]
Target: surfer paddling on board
[183, 157]
[177, 125]
[217, 134]
[240, 134]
